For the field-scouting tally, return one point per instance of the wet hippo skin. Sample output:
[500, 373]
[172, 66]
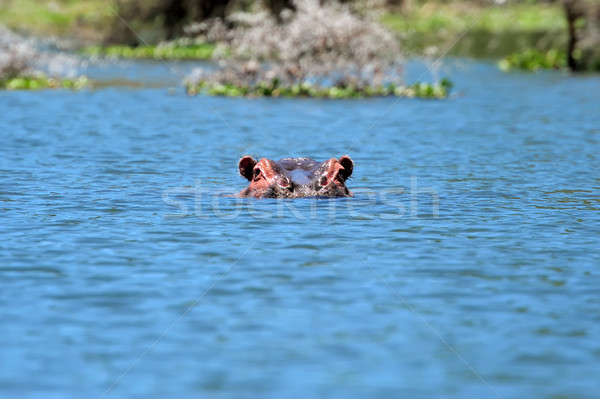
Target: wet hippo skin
[296, 177]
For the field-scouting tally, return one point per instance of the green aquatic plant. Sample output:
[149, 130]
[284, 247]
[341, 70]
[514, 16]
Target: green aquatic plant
[44, 82]
[275, 88]
[533, 60]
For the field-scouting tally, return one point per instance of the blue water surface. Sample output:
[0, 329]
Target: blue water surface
[466, 266]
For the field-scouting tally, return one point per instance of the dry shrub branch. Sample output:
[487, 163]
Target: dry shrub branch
[318, 50]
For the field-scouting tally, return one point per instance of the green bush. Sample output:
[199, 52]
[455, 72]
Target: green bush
[533, 60]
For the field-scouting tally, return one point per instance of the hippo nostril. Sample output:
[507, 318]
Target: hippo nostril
[284, 182]
[323, 181]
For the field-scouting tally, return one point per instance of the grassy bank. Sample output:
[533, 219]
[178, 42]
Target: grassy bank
[457, 16]
[84, 19]
[493, 31]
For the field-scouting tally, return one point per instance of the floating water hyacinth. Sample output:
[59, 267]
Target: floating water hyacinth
[274, 88]
[316, 51]
[23, 66]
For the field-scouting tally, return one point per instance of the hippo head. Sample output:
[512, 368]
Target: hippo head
[296, 177]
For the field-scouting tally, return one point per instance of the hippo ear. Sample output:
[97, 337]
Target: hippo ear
[348, 165]
[246, 166]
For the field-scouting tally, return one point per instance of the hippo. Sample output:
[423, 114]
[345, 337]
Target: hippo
[296, 177]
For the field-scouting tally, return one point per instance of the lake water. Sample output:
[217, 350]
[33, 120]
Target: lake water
[466, 266]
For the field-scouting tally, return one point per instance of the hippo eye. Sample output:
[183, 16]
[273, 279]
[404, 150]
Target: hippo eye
[284, 182]
[256, 173]
[323, 181]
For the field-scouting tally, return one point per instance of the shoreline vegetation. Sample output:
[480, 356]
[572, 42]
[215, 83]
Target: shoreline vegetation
[533, 60]
[523, 34]
[419, 24]
[492, 31]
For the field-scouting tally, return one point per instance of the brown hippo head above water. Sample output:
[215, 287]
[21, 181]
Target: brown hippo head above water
[296, 177]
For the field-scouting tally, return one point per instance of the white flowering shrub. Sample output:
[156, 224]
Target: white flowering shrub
[23, 65]
[319, 50]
